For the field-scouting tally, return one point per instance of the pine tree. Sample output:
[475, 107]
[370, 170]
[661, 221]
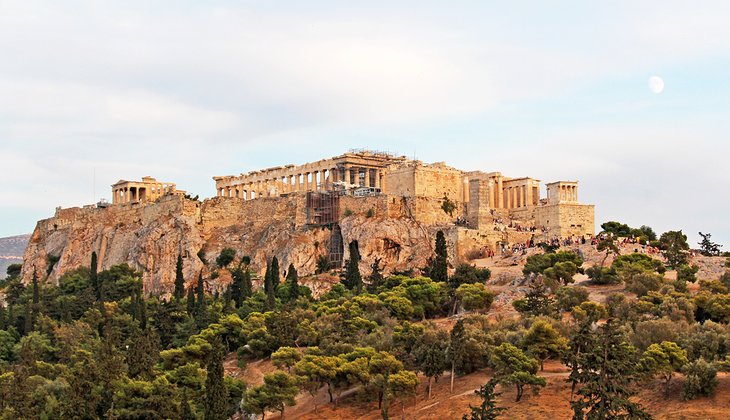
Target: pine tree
[375, 280]
[216, 395]
[488, 409]
[94, 276]
[179, 279]
[292, 282]
[605, 369]
[439, 268]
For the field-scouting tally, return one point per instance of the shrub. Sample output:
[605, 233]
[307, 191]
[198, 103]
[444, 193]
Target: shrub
[568, 297]
[347, 213]
[700, 379]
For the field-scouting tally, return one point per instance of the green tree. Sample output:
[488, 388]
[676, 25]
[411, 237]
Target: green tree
[568, 297]
[216, 395]
[375, 279]
[94, 277]
[351, 276]
[707, 247]
[675, 248]
[616, 229]
[663, 359]
[439, 267]
[200, 292]
[474, 297]
[561, 272]
[430, 353]
[457, 348]
[275, 274]
[191, 300]
[225, 257]
[536, 302]
[280, 389]
[543, 341]
[286, 357]
[513, 367]
[179, 279]
[488, 409]
[317, 372]
[143, 353]
[605, 366]
[292, 283]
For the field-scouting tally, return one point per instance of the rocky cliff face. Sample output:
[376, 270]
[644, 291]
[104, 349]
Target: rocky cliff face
[150, 237]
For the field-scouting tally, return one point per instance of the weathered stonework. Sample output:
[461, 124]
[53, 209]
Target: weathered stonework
[392, 206]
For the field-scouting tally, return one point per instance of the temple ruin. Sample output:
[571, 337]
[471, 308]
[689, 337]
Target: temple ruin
[147, 190]
[480, 199]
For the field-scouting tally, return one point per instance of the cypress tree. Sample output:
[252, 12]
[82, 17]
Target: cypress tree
[94, 276]
[439, 269]
[191, 300]
[200, 291]
[143, 352]
[292, 282]
[246, 286]
[275, 275]
[353, 279]
[28, 326]
[267, 278]
[179, 279]
[3, 318]
[216, 396]
[269, 287]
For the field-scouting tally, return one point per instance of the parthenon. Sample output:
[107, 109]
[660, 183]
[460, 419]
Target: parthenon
[362, 168]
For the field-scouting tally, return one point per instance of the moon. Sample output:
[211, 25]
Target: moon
[656, 84]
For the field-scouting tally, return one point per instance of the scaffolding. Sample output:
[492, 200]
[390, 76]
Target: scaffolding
[323, 210]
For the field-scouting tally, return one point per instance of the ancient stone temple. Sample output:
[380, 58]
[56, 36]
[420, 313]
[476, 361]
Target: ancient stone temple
[480, 199]
[147, 190]
[356, 168]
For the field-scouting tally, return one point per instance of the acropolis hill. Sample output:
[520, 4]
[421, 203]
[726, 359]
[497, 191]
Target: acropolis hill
[391, 205]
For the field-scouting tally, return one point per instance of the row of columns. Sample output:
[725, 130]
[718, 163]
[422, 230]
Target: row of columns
[568, 193]
[131, 193]
[318, 180]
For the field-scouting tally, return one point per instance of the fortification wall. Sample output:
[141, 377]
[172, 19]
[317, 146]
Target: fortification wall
[566, 219]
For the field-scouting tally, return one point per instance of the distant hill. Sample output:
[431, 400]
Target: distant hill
[11, 251]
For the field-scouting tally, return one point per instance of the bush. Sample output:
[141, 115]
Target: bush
[347, 213]
[568, 297]
[226, 257]
[644, 283]
[370, 213]
[700, 379]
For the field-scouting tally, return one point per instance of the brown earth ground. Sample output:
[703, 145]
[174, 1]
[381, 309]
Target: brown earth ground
[553, 402]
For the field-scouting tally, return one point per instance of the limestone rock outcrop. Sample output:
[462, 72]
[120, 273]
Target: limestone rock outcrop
[150, 237]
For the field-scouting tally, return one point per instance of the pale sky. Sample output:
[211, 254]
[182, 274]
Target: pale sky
[185, 90]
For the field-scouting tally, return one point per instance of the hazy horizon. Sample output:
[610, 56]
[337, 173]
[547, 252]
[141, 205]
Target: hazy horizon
[183, 91]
